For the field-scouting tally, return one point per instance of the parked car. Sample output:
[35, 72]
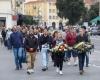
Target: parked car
[98, 30]
[94, 30]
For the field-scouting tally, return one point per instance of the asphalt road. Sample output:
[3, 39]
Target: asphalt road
[8, 72]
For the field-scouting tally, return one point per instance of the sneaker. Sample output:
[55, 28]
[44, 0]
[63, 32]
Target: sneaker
[69, 63]
[75, 63]
[60, 72]
[31, 70]
[57, 70]
[44, 69]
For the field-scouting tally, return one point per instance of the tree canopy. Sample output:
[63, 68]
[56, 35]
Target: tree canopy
[70, 9]
[94, 11]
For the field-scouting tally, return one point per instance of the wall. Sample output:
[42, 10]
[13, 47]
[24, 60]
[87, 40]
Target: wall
[6, 11]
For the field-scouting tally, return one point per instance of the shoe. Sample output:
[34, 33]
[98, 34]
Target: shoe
[69, 63]
[60, 72]
[57, 70]
[44, 69]
[28, 71]
[81, 72]
[31, 70]
[75, 63]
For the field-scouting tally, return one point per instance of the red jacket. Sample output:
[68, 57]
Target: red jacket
[71, 38]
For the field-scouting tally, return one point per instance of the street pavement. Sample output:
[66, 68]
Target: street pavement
[8, 72]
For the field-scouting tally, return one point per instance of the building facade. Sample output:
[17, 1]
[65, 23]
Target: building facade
[45, 10]
[20, 6]
[88, 3]
[7, 13]
[95, 1]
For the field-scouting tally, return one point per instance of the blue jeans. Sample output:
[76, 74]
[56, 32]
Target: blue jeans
[87, 58]
[18, 57]
[23, 55]
[9, 44]
[81, 57]
[72, 52]
[44, 52]
[66, 56]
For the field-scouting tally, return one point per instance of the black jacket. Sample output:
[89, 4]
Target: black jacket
[3, 33]
[31, 42]
[48, 39]
[84, 38]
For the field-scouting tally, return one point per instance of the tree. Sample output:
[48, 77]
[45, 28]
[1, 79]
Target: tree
[71, 9]
[28, 20]
[94, 11]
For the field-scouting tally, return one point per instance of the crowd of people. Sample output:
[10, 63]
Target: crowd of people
[27, 41]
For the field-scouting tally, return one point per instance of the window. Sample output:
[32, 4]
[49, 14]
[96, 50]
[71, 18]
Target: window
[50, 10]
[50, 17]
[57, 17]
[50, 4]
[54, 17]
[53, 10]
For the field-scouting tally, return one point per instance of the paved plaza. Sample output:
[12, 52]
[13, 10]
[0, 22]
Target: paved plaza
[8, 72]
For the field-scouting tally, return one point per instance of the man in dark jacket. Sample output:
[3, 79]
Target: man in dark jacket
[82, 37]
[16, 39]
[31, 45]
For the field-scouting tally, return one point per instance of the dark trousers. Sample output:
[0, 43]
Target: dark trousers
[81, 58]
[60, 65]
[87, 58]
[58, 59]
[71, 53]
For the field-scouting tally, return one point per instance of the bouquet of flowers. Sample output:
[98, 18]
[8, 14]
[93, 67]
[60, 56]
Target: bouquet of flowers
[59, 48]
[83, 47]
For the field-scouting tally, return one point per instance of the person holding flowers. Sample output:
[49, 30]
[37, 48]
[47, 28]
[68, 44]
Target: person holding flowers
[58, 52]
[82, 37]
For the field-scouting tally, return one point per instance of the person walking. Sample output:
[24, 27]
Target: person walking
[71, 41]
[16, 40]
[31, 46]
[59, 56]
[82, 37]
[45, 41]
[9, 32]
[3, 33]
